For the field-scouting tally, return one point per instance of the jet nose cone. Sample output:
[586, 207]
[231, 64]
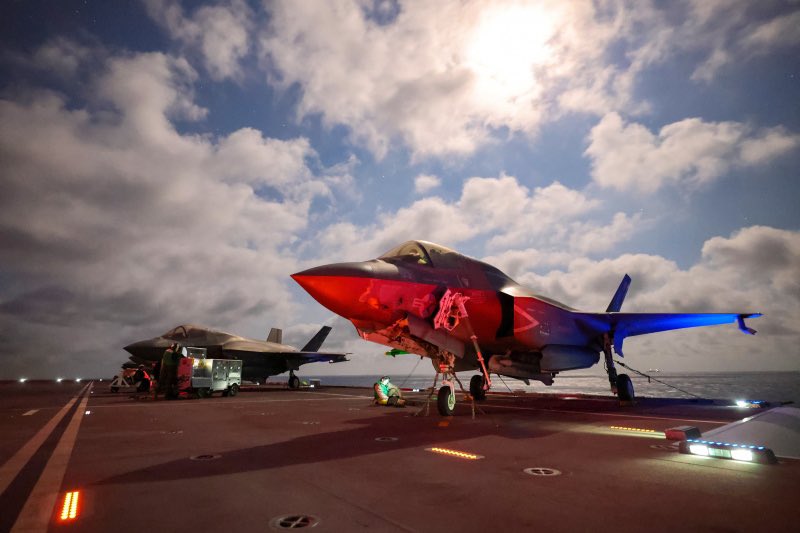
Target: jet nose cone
[358, 269]
[134, 347]
[337, 286]
[149, 349]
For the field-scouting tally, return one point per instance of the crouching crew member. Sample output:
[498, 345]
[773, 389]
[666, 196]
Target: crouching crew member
[388, 394]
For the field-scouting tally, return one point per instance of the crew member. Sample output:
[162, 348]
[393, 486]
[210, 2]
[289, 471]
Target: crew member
[142, 380]
[169, 371]
[388, 394]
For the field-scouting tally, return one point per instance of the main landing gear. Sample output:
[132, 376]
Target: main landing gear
[621, 384]
[294, 381]
[477, 387]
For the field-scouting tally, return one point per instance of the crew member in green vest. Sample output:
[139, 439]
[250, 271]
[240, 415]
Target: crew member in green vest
[388, 394]
[169, 371]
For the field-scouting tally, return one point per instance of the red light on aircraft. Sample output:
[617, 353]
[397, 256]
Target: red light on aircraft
[69, 511]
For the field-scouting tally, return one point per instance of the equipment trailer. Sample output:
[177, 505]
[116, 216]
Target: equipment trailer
[201, 377]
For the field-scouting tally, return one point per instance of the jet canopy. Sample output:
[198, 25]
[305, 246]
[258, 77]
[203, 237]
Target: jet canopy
[184, 331]
[424, 253]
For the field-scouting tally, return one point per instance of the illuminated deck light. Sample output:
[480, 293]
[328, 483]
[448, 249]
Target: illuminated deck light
[698, 449]
[69, 511]
[454, 453]
[635, 430]
[727, 450]
[742, 455]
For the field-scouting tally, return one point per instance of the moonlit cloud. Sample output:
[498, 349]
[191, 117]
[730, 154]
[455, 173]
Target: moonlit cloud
[425, 182]
[116, 218]
[219, 33]
[170, 161]
[690, 152]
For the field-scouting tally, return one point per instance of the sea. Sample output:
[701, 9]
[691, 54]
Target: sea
[764, 386]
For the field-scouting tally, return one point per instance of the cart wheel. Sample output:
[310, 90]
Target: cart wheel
[233, 390]
[203, 392]
[114, 389]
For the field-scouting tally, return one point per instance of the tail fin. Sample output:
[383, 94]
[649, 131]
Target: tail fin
[616, 302]
[316, 341]
[275, 335]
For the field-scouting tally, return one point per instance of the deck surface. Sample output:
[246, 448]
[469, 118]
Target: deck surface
[329, 454]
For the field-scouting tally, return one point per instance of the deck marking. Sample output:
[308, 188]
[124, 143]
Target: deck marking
[12, 467]
[617, 415]
[37, 511]
[31, 412]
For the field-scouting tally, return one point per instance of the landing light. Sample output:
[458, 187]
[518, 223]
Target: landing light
[59, 380]
[78, 380]
[69, 511]
[23, 380]
[727, 450]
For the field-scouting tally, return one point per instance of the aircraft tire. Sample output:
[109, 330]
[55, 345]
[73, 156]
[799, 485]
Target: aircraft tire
[446, 401]
[294, 382]
[476, 387]
[625, 388]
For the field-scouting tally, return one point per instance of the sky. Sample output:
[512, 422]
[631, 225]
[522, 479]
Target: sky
[167, 162]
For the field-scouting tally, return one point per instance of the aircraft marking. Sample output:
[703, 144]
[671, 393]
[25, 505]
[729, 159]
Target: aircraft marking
[13, 466]
[31, 412]
[37, 511]
[532, 321]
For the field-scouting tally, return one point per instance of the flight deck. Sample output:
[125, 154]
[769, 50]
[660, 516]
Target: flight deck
[326, 459]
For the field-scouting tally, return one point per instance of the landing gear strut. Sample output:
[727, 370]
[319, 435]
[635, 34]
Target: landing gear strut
[294, 381]
[621, 385]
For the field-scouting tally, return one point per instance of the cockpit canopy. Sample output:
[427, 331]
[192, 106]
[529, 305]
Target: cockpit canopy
[424, 253]
[185, 331]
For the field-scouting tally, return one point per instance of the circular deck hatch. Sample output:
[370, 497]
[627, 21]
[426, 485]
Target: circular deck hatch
[294, 521]
[542, 471]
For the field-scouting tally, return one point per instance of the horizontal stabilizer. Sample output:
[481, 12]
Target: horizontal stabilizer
[622, 325]
[316, 341]
[619, 296]
[275, 335]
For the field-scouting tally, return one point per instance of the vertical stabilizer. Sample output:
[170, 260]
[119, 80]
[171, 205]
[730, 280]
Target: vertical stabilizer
[619, 296]
[275, 335]
[316, 341]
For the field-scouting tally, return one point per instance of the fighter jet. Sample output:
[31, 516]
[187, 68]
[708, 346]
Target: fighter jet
[260, 359]
[465, 314]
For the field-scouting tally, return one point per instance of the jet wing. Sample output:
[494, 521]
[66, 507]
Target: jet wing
[622, 325]
[245, 346]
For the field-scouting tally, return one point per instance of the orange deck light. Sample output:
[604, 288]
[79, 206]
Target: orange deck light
[69, 511]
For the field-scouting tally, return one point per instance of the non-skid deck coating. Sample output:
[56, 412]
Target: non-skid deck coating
[330, 455]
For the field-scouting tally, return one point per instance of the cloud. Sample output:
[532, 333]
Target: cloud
[219, 33]
[690, 152]
[734, 33]
[561, 222]
[114, 225]
[448, 78]
[425, 182]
